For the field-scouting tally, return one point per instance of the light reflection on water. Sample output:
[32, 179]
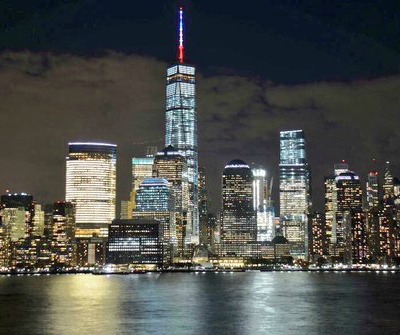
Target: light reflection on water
[203, 303]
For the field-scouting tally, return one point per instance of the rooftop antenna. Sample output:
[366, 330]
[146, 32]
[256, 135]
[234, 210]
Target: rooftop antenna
[181, 48]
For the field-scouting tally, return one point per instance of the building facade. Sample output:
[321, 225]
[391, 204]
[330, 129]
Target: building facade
[181, 123]
[135, 242]
[238, 217]
[91, 186]
[294, 190]
[262, 205]
[63, 234]
[155, 200]
[171, 165]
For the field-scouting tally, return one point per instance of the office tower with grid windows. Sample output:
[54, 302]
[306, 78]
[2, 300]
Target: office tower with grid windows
[91, 186]
[181, 123]
[294, 191]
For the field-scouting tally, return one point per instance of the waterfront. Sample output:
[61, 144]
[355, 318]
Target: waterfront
[201, 303]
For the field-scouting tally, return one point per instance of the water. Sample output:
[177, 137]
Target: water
[203, 303]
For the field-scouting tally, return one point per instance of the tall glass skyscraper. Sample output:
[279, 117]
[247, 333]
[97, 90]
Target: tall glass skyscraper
[349, 228]
[238, 217]
[171, 165]
[294, 190]
[91, 186]
[262, 206]
[154, 200]
[181, 122]
[154, 195]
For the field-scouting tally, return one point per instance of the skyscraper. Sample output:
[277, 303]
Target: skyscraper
[171, 165]
[181, 122]
[388, 187]
[262, 206]
[91, 186]
[316, 239]
[62, 233]
[238, 221]
[17, 212]
[294, 190]
[331, 204]
[373, 189]
[350, 224]
[142, 168]
[154, 200]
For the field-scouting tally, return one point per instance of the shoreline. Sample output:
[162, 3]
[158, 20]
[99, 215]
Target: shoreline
[102, 273]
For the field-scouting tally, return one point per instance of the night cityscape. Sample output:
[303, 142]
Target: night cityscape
[209, 153]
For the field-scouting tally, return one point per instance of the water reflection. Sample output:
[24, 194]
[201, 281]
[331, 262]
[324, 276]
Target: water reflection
[203, 303]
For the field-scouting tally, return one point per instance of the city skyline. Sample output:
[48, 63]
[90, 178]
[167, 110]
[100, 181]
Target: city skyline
[87, 98]
[237, 163]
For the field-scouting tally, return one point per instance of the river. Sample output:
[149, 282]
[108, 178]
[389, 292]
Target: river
[201, 303]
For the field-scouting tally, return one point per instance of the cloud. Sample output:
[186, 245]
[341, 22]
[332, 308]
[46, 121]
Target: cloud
[49, 100]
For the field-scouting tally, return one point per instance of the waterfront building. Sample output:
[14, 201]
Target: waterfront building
[63, 233]
[262, 205]
[155, 200]
[91, 186]
[388, 184]
[294, 190]
[372, 187]
[171, 165]
[317, 235]
[181, 123]
[348, 213]
[22, 223]
[209, 230]
[142, 168]
[238, 218]
[5, 245]
[373, 234]
[38, 221]
[253, 254]
[90, 251]
[373, 213]
[331, 207]
[359, 245]
[17, 212]
[330, 212]
[137, 241]
[387, 237]
[330, 203]
[203, 203]
[48, 221]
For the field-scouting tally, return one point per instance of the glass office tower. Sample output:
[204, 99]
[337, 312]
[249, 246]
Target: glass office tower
[294, 190]
[171, 165]
[91, 186]
[155, 200]
[262, 206]
[181, 122]
[238, 218]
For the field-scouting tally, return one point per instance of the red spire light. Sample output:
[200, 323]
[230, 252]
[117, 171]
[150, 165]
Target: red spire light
[181, 48]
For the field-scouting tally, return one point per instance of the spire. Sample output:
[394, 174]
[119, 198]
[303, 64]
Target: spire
[181, 48]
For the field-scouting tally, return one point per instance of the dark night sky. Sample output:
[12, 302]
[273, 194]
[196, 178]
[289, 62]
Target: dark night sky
[95, 70]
